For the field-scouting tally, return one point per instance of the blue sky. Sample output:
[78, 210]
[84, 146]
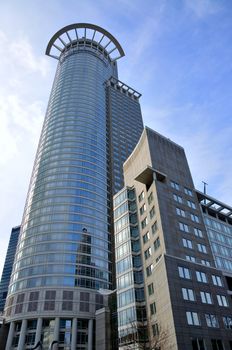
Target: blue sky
[178, 55]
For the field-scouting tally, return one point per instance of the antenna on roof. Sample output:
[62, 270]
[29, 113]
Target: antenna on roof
[205, 184]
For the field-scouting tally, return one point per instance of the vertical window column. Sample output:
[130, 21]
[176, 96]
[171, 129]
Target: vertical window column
[90, 335]
[38, 330]
[10, 336]
[56, 329]
[22, 336]
[74, 334]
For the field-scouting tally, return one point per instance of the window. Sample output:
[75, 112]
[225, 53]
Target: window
[135, 245]
[187, 243]
[67, 303]
[198, 232]
[222, 300]
[184, 272]
[192, 318]
[191, 204]
[194, 218]
[147, 253]
[217, 281]
[175, 185]
[99, 300]
[155, 329]
[142, 209]
[146, 237]
[157, 243]
[33, 301]
[217, 344]
[150, 288]
[183, 227]
[201, 277]
[206, 298]
[180, 212]
[122, 250]
[84, 301]
[150, 198]
[19, 305]
[144, 223]
[227, 320]
[50, 297]
[188, 191]
[190, 258]
[211, 321]
[120, 210]
[198, 344]
[205, 262]
[149, 270]
[141, 196]
[177, 198]
[154, 228]
[133, 219]
[152, 212]
[153, 308]
[188, 294]
[201, 248]
[125, 280]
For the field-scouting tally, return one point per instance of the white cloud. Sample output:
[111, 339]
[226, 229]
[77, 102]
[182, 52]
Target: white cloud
[20, 65]
[20, 126]
[18, 52]
[21, 116]
[19, 122]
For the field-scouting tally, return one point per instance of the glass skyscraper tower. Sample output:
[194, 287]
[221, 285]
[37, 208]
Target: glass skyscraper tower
[64, 255]
[6, 273]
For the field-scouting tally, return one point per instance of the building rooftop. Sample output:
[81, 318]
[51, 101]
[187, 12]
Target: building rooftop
[81, 36]
[214, 204]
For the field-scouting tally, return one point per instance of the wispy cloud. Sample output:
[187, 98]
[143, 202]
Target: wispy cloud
[20, 126]
[142, 38]
[21, 115]
[20, 122]
[19, 52]
[203, 8]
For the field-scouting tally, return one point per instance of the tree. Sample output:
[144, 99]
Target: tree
[136, 338]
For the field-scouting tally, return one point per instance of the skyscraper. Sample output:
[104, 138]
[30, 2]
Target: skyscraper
[7, 268]
[173, 279]
[65, 255]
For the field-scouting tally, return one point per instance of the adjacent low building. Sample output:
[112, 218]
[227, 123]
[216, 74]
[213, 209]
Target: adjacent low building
[186, 296]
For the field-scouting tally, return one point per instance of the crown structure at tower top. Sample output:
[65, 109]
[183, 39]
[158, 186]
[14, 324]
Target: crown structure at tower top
[84, 36]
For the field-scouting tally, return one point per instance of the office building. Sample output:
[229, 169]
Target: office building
[172, 291]
[218, 221]
[7, 268]
[65, 252]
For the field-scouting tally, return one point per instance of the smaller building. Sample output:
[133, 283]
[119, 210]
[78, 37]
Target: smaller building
[132, 319]
[187, 301]
[218, 221]
[5, 280]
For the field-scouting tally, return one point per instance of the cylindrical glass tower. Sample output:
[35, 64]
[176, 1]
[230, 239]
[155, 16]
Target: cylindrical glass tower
[64, 253]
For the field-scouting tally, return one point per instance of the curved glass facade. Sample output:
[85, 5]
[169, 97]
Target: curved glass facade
[65, 219]
[65, 254]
